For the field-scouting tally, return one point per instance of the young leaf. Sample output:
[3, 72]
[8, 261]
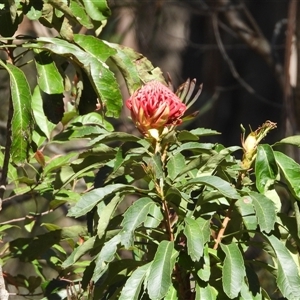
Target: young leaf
[288, 279]
[159, 278]
[265, 211]
[233, 271]
[266, 168]
[215, 182]
[291, 171]
[89, 200]
[21, 125]
[134, 216]
[132, 288]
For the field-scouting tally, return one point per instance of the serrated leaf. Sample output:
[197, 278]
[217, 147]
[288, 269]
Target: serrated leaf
[291, 172]
[265, 211]
[132, 288]
[215, 182]
[154, 217]
[89, 200]
[21, 125]
[288, 279]
[266, 169]
[233, 271]
[114, 137]
[134, 216]
[159, 278]
[49, 79]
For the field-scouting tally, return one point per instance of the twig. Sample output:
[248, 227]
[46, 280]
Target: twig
[224, 225]
[232, 68]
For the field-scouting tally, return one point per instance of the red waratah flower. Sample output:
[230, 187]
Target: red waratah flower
[155, 106]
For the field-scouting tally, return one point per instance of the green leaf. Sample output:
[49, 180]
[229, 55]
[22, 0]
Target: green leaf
[89, 200]
[288, 280]
[114, 137]
[175, 165]
[132, 288]
[159, 278]
[215, 182]
[80, 14]
[106, 256]
[246, 209]
[291, 171]
[204, 271]
[134, 216]
[195, 146]
[97, 10]
[265, 211]
[195, 238]
[22, 120]
[124, 59]
[208, 293]
[59, 161]
[204, 132]
[172, 294]
[78, 252]
[39, 115]
[266, 169]
[233, 271]
[291, 140]
[102, 79]
[106, 212]
[49, 78]
[154, 218]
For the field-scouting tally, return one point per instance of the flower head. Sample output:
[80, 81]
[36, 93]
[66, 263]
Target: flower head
[155, 106]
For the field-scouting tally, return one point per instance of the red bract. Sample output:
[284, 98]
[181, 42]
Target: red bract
[154, 106]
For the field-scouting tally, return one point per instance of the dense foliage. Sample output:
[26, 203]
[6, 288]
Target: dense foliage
[162, 214]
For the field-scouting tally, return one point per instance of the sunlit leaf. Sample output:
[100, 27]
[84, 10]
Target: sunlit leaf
[291, 171]
[266, 169]
[22, 119]
[159, 279]
[265, 211]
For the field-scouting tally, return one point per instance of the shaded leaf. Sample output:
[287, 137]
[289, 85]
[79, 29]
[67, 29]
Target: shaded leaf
[288, 279]
[132, 288]
[134, 216]
[246, 209]
[233, 271]
[175, 165]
